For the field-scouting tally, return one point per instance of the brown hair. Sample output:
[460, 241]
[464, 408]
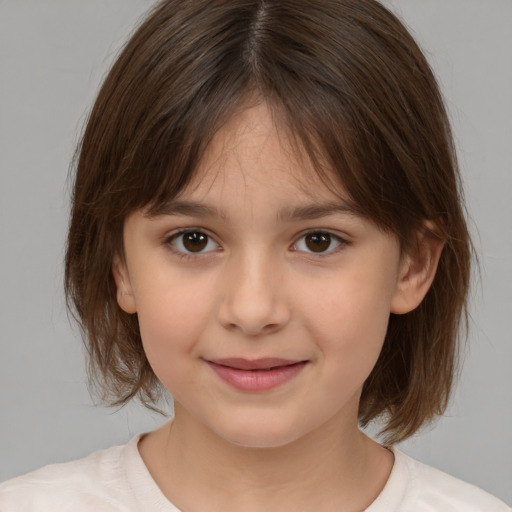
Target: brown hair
[357, 93]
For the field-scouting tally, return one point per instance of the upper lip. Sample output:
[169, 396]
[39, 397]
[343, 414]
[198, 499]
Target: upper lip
[264, 363]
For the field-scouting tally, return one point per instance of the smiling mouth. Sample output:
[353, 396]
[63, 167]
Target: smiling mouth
[256, 375]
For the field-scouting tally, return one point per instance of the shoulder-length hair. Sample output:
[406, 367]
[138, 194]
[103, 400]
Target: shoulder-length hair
[355, 92]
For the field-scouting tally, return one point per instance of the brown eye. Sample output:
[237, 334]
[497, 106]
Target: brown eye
[193, 242]
[318, 242]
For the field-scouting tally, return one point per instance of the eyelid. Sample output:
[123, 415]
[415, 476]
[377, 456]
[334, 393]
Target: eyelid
[342, 242]
[171, 237]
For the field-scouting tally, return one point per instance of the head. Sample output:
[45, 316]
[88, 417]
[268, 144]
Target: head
[354, 100]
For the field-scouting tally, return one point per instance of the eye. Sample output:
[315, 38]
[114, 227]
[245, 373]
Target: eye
[192, 242]
[318, 242]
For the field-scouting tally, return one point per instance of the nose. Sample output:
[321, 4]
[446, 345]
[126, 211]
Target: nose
[253, 296]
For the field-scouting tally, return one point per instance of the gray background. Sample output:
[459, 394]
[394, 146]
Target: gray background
[52, 57]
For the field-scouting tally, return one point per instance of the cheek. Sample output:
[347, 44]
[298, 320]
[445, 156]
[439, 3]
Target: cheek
[172, 316]
[351, 324]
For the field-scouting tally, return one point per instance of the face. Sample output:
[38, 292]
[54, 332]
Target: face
[262, 298]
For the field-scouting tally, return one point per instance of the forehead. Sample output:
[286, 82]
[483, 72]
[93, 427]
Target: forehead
[254, 158]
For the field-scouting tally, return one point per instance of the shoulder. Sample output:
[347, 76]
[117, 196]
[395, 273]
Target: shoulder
[95, 482]
[432, 490]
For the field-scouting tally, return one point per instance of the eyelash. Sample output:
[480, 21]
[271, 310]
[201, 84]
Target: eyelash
[333, 238]
[183, 253]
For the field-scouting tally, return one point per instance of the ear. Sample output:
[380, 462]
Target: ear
[417, 270]
[125, 297]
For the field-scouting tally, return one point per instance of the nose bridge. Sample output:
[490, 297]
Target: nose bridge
[254, 298]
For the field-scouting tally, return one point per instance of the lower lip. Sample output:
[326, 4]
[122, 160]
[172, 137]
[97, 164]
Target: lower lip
[257, 380]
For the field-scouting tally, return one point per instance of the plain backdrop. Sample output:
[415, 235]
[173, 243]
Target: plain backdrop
[53, 55]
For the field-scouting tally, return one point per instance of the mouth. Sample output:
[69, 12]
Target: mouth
[256, 375]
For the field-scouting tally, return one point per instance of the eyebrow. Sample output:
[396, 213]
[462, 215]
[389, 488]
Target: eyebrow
[316, 211]
[186, 208]
[304, 212]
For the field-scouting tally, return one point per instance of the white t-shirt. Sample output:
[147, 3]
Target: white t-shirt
[116, 479]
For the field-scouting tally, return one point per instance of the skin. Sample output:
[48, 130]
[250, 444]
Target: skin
[258, 290]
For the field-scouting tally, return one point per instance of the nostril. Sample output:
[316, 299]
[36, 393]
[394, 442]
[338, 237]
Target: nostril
[252, 306]
[255, 330]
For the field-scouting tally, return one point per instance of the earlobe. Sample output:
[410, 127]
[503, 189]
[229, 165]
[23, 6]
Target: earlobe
[417, 271]
[125, 297]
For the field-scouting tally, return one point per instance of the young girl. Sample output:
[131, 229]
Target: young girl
[267, 223]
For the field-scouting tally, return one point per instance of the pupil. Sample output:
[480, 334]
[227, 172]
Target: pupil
[318, 242]
[195, 242]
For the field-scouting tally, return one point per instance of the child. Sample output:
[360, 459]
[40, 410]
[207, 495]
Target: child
[267, 223]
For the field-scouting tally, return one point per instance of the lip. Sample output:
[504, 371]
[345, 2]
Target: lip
[257, 374]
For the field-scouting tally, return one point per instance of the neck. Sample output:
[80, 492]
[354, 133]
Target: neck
[337, 468]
